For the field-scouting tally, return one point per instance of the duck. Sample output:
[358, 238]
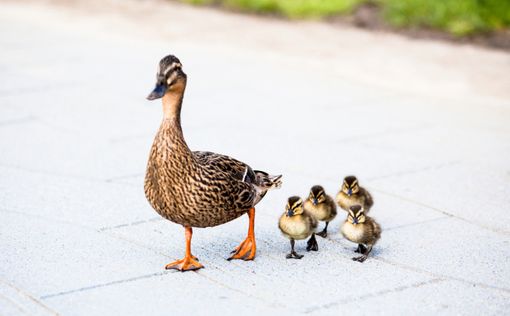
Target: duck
[321, 206]
[296, 224]
[197, 189]
[351, 193]
[361, 229]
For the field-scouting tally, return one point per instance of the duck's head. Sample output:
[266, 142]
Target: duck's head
[356, 215]
[169, 77]
[317, 195]
[294, 206]
[350, 185]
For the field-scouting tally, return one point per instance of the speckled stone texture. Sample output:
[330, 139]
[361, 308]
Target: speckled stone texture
[424, 125]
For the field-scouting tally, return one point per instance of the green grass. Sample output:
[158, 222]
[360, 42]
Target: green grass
[296, 8]
[458, 17]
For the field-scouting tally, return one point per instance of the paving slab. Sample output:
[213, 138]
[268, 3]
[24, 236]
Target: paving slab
[424, 125]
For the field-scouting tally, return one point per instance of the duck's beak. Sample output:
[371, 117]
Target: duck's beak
[290, 213]
[349, 192]
[315, 202]
[158, 92]
[354, 221]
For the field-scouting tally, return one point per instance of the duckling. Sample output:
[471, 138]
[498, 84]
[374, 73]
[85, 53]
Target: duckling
[296, 224]
[352, 194]
[197, 188]
[361, 229]
[321, 206]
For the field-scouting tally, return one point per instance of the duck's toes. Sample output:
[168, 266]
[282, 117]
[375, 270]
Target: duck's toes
[294, 255]
[322, 234]
[245, 251]
[360, 258]
[186, 264]
[312, 244]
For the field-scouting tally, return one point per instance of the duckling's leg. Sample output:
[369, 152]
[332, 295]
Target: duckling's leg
[324, 232]
[293, 254]
[312, 244]
[365, 254]
[247, 249]
[189, 262]
[361, 249]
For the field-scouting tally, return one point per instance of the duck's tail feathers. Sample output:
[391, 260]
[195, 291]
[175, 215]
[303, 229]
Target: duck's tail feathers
[266, 181]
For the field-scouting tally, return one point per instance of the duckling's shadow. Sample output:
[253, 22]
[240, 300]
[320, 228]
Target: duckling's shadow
[337, 243]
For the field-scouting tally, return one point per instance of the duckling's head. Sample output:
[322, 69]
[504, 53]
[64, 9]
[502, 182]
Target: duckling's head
[356, 214]
[169, 77]
[294, 206]
[350, 185]
[317, 195]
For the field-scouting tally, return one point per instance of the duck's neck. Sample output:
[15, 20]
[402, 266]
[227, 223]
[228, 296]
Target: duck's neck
[172, 103]
[170, 131]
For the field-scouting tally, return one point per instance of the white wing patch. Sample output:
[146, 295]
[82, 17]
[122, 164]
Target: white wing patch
[245, 174]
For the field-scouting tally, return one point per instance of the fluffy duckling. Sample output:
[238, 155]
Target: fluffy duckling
[297, 224]
[352, 194]
[362, 230]
[321, 206]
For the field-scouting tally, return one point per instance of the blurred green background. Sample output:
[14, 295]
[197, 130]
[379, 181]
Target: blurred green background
[457, 17]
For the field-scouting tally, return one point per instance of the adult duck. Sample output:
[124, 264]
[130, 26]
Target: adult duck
[197, 188]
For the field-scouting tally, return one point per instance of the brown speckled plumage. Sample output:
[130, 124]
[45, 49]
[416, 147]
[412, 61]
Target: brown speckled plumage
[197, 189]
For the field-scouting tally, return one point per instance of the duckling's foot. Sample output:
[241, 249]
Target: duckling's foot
[360, 258]
[312, 244]
[187, 264]
[294, 255]
[323, 234]
[247, 249]
[361, 249]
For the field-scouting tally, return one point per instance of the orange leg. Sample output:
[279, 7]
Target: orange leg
[189, 262]
[247, 249]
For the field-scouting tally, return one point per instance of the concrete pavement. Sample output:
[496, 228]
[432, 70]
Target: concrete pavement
[424, 125]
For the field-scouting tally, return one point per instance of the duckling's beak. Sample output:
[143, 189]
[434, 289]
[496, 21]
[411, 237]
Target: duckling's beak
[349, 192]
[315, 202]
[158, 92]
[290, 213]
[355, 221]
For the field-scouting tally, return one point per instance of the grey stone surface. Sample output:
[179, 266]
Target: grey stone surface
[424, 125]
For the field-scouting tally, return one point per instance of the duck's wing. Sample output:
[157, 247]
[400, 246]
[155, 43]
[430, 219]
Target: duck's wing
[233, 178]
[238, 170]
[245, 185]
[369, 200]
[228, 165]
